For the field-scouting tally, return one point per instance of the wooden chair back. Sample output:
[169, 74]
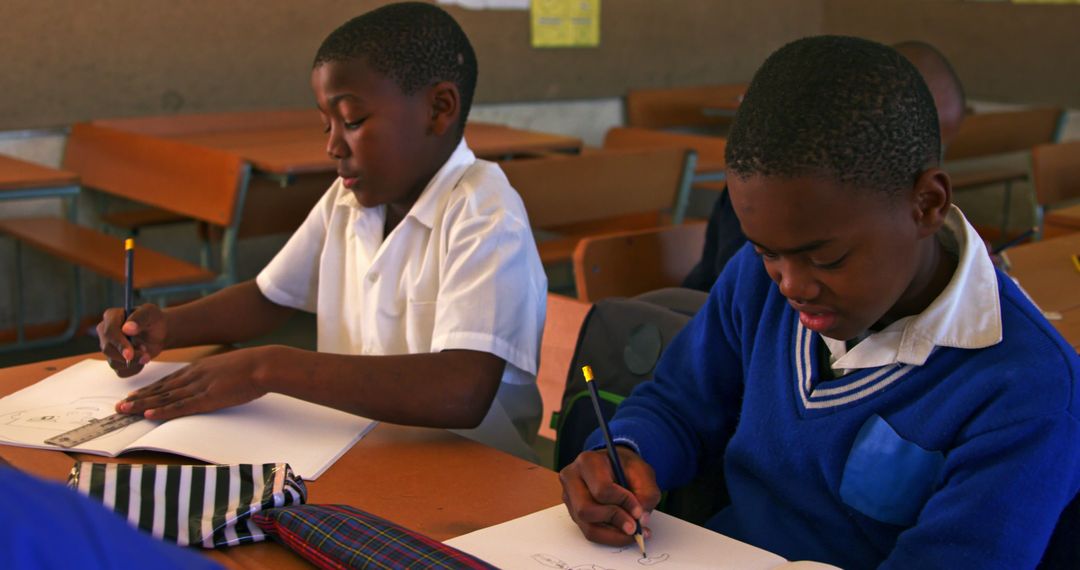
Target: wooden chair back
[271, 209]
[1055, 171]
[629, 263]
[204, 185]
[681, 106]
[570, 197]
[566, 190]
[561, 329]
[986, 134]
[709, 149]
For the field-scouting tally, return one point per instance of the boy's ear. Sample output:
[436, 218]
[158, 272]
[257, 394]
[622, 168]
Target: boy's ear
[445, 105]
[932, 199]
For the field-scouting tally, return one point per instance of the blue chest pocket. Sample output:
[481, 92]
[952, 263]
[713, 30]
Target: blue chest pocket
[887, 477]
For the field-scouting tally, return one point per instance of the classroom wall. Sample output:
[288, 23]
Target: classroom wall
[67, 60]
[1003, 52]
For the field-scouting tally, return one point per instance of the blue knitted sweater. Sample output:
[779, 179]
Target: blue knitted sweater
[964, 462]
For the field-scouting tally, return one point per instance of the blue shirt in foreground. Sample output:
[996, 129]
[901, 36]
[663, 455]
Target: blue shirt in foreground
[965, 461]
[48, 525]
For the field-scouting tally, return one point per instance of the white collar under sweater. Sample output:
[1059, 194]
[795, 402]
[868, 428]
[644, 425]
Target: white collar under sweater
[967, 313]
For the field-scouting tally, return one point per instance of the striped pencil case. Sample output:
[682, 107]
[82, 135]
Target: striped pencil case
[204, 505]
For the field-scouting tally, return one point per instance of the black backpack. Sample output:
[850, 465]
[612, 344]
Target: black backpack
[621, 339]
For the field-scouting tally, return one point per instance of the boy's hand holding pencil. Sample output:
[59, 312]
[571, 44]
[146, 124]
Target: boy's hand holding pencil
[605, 511]
[129, 344]
[609, 497]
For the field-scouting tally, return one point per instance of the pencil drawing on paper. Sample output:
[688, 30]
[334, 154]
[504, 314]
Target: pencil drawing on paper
[62, 417]
[646, 560]
[553, 562]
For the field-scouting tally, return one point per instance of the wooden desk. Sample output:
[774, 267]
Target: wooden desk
[290, 142]
[1046, 272]
[1061, 222]
[429, 480]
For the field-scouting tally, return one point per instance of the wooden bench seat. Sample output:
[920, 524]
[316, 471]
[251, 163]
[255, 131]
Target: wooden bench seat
[102, 253]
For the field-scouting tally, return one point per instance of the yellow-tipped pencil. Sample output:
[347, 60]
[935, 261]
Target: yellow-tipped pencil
[613, 456]
[129, 278]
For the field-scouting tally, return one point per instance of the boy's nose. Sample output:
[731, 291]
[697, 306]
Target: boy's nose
[336, 147]
[797, 284]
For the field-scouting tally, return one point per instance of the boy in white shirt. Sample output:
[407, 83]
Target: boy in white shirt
[418, 262]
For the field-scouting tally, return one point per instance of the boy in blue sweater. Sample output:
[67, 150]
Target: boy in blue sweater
[878, 394]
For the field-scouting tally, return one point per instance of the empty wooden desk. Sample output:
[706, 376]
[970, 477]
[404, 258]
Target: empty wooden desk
[290, 142]
[1061, 221]
[1046, 271]
[287, 152]
[429, 480]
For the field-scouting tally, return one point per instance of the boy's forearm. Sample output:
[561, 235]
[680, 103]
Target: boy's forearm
[449, 389]
[234, 314]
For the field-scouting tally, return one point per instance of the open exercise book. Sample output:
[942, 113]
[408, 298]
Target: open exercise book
[273, 428]
[550, 539]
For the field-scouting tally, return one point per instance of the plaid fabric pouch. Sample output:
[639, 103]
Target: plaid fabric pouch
[339, 536]
[205, 505]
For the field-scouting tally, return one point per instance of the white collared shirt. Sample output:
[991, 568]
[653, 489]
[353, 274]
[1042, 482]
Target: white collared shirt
[460, 271]
[967, 313]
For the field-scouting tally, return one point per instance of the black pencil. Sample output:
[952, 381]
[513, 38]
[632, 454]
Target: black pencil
[129, 278]
[613, 456]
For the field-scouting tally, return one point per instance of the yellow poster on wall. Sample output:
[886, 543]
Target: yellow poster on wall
[565, 23]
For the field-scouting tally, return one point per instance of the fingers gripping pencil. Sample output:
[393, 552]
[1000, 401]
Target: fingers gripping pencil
[613, 456]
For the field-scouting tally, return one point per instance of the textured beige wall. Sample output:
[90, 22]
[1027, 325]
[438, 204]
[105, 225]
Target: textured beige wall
[1002, 51]
[67, 60]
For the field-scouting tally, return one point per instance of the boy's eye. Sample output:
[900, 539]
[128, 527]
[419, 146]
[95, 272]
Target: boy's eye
[831, 264]
[326, 129]
[765, 253]
[354, 125]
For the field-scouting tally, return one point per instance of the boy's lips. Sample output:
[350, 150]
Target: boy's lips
[816, 319]
[349, 179]
[818, 323]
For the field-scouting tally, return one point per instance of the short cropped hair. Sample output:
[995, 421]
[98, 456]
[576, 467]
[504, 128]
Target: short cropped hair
[838, 107]
[413, 43]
